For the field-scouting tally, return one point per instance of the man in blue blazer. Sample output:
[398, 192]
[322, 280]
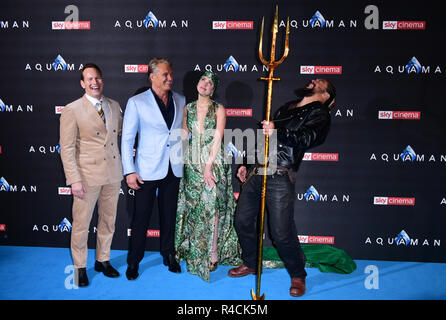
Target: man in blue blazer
[156, 115]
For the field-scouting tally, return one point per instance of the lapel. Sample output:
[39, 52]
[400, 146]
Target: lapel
[175, 108]
[92, 114]
[154, 104]
[110, 111]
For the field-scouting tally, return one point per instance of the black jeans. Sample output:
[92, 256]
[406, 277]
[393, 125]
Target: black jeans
[143, 207]
[280, 208]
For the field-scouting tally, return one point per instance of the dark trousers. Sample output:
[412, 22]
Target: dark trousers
[280, 208]
[143, 207]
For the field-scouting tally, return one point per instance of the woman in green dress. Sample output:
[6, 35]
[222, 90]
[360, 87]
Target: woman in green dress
[205, 234]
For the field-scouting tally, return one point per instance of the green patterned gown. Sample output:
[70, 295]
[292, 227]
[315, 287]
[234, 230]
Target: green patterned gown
[199, 206]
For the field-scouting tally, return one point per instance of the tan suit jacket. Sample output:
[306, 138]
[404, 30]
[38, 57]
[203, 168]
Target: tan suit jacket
[90, 155]
[89, 152]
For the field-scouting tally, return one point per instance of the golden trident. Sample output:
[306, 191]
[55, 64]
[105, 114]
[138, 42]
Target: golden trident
[272, 64]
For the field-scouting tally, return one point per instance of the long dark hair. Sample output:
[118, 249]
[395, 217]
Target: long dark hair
[331, 90]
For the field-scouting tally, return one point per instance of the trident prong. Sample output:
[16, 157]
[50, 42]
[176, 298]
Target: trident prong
[287, 47]
[272, 64]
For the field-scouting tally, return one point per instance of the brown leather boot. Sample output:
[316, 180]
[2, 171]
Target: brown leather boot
[297, 287]
[240, 271]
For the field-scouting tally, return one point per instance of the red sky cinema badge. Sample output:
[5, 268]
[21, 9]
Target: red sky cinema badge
[404, 25]
[320, 69]
[70, 25]
[316, 239]
[136, 68]
[312, 156]
[150, 233]
[403, 115]
[64, 191]
[233, 25]
[153, 233]
[238, 112]
[393, 201]
[58, 109]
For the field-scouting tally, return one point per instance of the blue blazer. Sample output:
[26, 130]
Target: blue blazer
[157, 145]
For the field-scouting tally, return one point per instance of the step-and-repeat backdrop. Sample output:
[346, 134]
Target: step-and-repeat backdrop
[375, 188]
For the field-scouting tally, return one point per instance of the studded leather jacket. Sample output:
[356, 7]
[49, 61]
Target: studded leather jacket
[298, 129]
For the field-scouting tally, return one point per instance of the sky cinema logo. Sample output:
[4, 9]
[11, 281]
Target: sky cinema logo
[64, 191]
[320, 69]
[232, 25]
[238, 112]
[136, 68]
[399, 115]
[316, 239]
[70, 25]
[393, 201]
[404, 25]
[150, 21]
[150, 233]
[58, 109]
[312, 156]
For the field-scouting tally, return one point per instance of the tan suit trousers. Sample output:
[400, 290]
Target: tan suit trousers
[106, 197]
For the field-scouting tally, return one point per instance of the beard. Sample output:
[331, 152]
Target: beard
[304, 92]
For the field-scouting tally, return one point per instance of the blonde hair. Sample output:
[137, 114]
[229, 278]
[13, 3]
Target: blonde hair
[154, 62]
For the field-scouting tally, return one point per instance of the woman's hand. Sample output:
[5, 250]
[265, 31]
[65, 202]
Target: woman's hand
[209, 178]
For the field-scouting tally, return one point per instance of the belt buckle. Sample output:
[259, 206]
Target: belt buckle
[281, 172]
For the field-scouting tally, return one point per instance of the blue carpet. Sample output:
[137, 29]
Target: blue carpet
[36, 273]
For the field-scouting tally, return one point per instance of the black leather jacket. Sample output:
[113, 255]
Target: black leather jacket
[299, 129]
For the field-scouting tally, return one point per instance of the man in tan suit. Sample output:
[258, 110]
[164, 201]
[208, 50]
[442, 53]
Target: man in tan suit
[89, 129]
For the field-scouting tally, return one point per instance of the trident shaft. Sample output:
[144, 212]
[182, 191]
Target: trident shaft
[272, 64]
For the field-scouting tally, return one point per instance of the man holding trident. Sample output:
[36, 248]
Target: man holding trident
[299, 125]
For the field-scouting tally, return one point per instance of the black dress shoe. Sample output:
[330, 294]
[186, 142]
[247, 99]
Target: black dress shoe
[80, 277]
[132, 271]
[173, 265]
[106, 268]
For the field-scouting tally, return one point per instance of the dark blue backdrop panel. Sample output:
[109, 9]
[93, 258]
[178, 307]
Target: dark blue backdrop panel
[382, 197]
